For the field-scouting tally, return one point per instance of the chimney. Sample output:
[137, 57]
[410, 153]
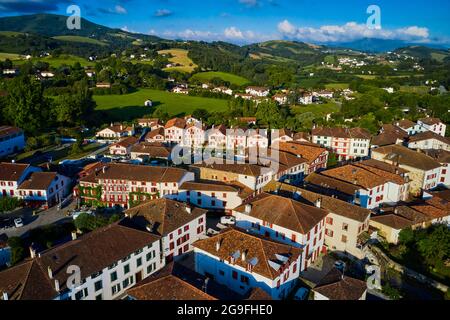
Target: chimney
[248, 208]
[74, 235]
[104, 169]
[205, 285]
[50, 272]
[244, 255]
[396, 171]
[396, 210]
[32, 252]
[189, 209]
[217, 245]
[297, 195]
[5, 296]
[355, 181]
[319, 202]
[57, 288]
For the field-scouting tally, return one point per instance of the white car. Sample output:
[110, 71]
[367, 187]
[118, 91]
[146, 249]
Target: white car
[228, 220]
[18, 222]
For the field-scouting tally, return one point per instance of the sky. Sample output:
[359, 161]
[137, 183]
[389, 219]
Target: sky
[250, 21]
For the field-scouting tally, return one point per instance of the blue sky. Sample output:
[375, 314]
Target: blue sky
[246, 21]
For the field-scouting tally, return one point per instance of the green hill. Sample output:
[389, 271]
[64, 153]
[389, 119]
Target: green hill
[422, 52]
[80, 40]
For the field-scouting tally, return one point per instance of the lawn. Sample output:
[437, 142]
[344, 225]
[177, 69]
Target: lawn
[10, 33]
[337, 86]
[80, 40]
[57, 62]
[415, 89]
[180, 56]
[317, 109]
[131, 106]
[10, 56]
[229, 77]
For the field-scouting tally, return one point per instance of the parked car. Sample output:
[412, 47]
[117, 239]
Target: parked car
[301, 294]
[228, 220]
[18, 222]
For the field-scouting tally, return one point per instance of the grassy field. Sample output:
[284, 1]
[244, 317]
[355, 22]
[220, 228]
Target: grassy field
[10, 33]
[131, 106]
[56, 62]
[415, 89]
[180, 56]
[10, 56]
[317, 109]
[80, 40]
[232, 78]
[337, 86]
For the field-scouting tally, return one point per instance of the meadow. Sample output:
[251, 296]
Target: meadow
[180, 56]
[229, 77]
[131, 106]
[80, 40]
[317, 109]
[10, 56]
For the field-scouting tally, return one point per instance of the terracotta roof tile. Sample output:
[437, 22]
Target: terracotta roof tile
[257, 249]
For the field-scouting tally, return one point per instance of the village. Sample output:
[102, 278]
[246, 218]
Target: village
[251, 227]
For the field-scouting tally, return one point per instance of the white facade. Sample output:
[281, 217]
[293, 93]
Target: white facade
[57, 191]
[257, 92]
[8, 188]
[174, 134]
[180, 241]
[211, 199]
[438, 128]
[312, 243]
[112, 281]
[429, 144]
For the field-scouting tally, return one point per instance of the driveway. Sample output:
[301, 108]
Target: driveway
[50, 216]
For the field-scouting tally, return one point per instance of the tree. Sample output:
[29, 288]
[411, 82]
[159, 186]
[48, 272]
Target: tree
[436, 246]
[86, 222]
[26, 106]
[201, 114]
[17, 250]
[268, 113]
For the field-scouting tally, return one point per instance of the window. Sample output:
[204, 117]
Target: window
[345, 226]
[234, 275]
[186, 228]
[344, 239]
[113, 276]
[221, 273]
[98, 285]
[150, 255]
[139, 262]
[79, 295]
[245, 279]
[126, 283]
[99, 297]
[171, 246]
[115, 289]
[329, 232]
[126, 269]
[329, 221]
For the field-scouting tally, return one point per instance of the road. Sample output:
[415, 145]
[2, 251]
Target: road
[50, 216]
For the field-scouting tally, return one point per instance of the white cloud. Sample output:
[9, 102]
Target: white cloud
[349, 32]
[120, 10]
[163, 13]
[233, 33]
[286, 27]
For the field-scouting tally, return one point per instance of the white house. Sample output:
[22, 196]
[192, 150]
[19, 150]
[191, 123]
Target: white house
[295, 223]
[257, 138]
[123, 147]
[217, 137]
[434, 125]
[258, 91]
[224, 90]
[12, 140]
[12, 175]
[174, 130]
[110, 260]
[44, 189]
[194, 135]
[116, 131]
[242, 262]
[178, 224]
[213, 195]
[429, 140]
